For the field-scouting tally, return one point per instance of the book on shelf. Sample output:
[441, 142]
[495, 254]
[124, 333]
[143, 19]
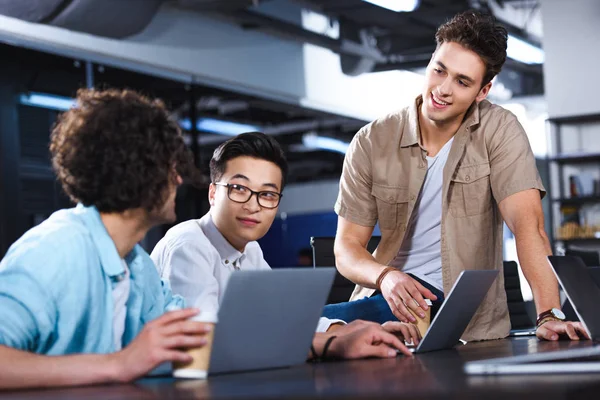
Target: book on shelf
[579, 222]
[572, 230]
[583, 185]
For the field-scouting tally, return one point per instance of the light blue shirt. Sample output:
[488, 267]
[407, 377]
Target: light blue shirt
[56, 287]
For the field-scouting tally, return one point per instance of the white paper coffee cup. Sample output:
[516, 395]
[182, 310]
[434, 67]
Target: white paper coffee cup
[198, 367]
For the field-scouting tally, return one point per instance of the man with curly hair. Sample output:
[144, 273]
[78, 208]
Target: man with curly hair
[78, 287]
[440, 177]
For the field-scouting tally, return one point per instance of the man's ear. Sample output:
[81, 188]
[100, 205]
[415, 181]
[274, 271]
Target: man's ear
[212, 189]
[483, 92]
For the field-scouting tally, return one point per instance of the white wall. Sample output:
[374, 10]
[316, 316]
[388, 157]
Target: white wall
[366, 96]
[571, 32]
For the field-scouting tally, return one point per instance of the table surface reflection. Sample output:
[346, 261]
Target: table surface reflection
[433, 375]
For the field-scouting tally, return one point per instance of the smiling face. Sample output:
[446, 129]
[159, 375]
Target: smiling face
[241, 223]
[452, 83]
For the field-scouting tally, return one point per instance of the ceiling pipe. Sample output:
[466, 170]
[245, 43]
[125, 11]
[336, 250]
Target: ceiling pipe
[259, 22]
[287, 129]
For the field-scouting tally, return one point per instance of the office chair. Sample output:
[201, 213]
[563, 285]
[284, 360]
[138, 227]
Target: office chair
[517, 309]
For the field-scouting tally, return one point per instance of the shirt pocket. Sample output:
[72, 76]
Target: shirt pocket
[392, 205]
[471, 193]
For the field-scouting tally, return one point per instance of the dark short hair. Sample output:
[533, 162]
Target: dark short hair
[119, 150]
[479, 33]
[251, 144]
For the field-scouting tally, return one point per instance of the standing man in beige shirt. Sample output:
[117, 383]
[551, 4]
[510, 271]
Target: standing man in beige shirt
[440, 177]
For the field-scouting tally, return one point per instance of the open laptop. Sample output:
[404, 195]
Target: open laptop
[567, 307]
[583, 293]
[267, 319]
[457, 310]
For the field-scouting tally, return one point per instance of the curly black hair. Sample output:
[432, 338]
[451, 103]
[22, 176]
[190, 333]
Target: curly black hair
[251, 144]
[479, 33]
[119, 150]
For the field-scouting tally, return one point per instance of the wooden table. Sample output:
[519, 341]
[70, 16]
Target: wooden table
[433, 375]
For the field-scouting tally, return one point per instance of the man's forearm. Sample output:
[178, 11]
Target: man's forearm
[20, 370]
[533, 250]
[356, 263]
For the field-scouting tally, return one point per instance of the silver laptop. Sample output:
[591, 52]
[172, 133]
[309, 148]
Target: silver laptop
[457, 310]
[583, 293]
[267, 319]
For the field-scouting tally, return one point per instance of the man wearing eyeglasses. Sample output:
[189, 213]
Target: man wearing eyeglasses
[197, 257]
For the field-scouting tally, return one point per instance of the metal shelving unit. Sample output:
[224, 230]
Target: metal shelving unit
[561, 160]
[578, 200]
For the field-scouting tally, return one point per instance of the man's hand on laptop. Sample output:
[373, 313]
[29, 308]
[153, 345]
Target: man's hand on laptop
[401, 291]
[370, 341]
[554, 330]
[409, 333]
[406, 332]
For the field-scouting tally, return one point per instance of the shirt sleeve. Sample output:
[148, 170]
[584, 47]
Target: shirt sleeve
[189, 272]
[27, 310]
[355, 202]
[512, 163]
[325, 323]
[172, 301]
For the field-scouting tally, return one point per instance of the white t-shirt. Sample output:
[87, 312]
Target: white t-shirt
[420, 253]
[197, 261]
[120, 294]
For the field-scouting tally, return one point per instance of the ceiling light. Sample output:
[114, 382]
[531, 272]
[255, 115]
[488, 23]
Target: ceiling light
[218, 126]
[520, 50]
[224, 127]
[396, 5]
[315, 142]
[60, 103]
[48, 101]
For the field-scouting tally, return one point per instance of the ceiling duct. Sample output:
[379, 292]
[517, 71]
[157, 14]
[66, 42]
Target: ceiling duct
[109, 18]
[351, 64]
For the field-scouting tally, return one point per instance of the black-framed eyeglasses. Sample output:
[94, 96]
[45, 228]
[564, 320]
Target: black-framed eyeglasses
[243, 194]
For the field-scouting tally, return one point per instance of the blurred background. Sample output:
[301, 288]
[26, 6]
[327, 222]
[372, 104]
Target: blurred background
[308, 72]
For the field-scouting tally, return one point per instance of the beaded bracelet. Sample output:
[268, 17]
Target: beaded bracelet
[386, 271]
[326, 347]
[315, 357]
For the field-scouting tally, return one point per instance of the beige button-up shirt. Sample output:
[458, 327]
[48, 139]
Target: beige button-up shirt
[490, 159]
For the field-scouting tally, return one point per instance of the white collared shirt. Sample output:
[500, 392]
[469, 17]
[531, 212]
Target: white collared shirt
[197, 261]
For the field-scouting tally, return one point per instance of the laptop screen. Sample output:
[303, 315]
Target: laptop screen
[583, 293]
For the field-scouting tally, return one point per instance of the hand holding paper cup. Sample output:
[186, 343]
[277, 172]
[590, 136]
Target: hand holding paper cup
[423, 323]
[198, 367]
